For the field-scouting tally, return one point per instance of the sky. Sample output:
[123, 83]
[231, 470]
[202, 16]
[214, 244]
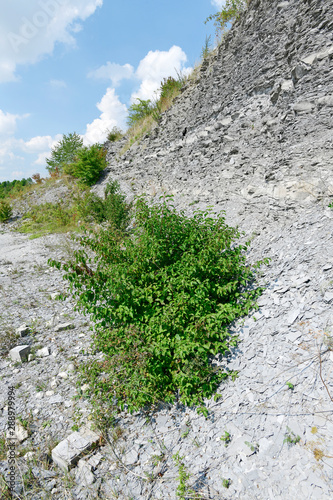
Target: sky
[77, 65]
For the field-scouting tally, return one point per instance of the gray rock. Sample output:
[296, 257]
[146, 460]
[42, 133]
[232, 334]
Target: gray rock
[64, 326]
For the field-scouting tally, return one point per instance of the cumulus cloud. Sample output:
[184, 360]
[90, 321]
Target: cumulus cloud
[151, 70]
[29, 30]
[157, 65]
[113, 113]
[114, 72]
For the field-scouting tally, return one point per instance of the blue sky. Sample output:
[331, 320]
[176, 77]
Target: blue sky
[76, 65]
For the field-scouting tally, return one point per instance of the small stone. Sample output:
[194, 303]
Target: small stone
[19, 353]
[84, 387]
[29, 456]
[63, 375]
[23, 330]
[49, 393]
[328, 297]
[303, 107]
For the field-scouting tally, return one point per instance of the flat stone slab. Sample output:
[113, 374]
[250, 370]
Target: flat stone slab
[69, 451]
[19, 353]
[64, 326]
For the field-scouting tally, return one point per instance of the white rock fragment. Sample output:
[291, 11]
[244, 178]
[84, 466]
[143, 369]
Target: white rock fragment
[19, 353]
[29, 456]
[63, 375]
[23, 330]
[43, 353]
[20, 434]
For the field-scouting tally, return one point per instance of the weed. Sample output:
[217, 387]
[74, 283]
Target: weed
[290, 437]
[206, 48]
[114, 135]
[47, 423]
[8, 339]
[156, 459]
[3, 448]
[290, 386]
[183, 490]
[226, 438]
[41, 386]
[226, 483]
[254, 447]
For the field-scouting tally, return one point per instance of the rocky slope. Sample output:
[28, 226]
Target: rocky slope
[251, 135]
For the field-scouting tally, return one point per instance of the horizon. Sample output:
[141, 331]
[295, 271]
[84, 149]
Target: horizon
[76, 66]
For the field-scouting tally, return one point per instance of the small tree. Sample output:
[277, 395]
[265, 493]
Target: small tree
[64, 152]
[227, 15]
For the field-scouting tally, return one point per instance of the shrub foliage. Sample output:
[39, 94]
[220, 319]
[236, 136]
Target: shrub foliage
[162, 297]
[88, 164]
[5, 211]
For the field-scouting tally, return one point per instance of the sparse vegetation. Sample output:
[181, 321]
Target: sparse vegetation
[290, 437]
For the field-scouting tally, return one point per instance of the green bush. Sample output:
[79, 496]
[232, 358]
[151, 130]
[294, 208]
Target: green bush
[88, 164]
[5, 211]
[162, 298]
[64, 153]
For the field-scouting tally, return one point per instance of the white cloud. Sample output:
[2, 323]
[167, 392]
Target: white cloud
[8, 123]
[30, 29]
[219, 3]
[156, 66]
[151, 70]
[114, 72]
[58, 84]
[113, 113]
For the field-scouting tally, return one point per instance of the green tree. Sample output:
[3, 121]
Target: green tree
[64, 152]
